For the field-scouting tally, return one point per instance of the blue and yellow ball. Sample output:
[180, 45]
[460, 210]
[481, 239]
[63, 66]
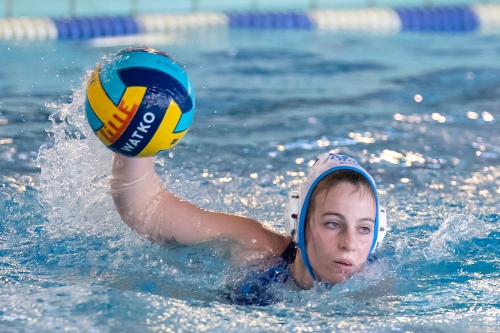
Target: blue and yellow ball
[140, 102]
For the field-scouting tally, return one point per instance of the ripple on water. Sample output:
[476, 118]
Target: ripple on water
[69, 263]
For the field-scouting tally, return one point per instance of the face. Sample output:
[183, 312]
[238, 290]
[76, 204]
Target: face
[340, 232]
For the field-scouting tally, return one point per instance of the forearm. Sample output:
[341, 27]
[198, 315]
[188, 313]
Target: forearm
[136, 191]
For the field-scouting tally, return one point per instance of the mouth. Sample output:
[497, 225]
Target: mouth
[345, 265]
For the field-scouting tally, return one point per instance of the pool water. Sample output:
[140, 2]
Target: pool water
[419, 111]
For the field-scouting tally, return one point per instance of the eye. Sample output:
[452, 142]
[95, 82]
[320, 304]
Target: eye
[332, 225]
[365, 230]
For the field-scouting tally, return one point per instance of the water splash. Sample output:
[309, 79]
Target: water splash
[75, 173]
[454, 230]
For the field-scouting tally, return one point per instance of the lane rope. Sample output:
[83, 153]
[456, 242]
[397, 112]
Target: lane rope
[376, 20]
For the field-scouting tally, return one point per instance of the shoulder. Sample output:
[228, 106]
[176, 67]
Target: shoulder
[261, 250]
[276, 243]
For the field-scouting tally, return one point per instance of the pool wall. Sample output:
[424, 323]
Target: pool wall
[449, 18]
[79, 8]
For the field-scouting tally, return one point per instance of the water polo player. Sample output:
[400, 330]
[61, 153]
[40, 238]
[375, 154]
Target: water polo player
[333, 223]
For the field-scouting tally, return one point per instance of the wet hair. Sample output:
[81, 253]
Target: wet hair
[332, 180]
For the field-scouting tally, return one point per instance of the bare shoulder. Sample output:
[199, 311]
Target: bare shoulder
[263, 248]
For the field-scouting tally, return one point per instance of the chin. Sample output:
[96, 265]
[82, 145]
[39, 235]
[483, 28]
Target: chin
[337, 277]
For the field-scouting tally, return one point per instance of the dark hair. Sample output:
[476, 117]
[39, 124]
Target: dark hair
[333, 179]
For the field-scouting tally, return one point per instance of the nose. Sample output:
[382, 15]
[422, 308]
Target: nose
[347, 240]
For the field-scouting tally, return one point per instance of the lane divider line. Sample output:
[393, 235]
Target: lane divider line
[376, 20]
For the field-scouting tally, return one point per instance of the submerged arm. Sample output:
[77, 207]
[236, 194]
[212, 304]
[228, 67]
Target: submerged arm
[148, 208]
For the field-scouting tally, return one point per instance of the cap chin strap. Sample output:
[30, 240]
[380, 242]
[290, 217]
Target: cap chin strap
[292, 211]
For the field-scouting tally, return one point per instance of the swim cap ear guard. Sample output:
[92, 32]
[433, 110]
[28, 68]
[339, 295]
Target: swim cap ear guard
[296, 208]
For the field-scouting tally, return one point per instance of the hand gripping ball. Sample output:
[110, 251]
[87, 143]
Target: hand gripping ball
[139, 102]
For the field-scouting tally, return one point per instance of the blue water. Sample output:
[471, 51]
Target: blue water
[268, 102]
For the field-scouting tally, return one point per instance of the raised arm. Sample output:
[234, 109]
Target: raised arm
[148, 208]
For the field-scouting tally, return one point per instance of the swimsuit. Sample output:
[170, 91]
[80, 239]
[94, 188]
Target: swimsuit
[256, 287]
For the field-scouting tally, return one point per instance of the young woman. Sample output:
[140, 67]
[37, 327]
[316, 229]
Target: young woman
[334, 222]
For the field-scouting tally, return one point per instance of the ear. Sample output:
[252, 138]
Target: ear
[292, 215]
[382, 227]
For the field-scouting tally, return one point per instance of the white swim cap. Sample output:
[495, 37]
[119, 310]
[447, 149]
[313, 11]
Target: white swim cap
[295, 215]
